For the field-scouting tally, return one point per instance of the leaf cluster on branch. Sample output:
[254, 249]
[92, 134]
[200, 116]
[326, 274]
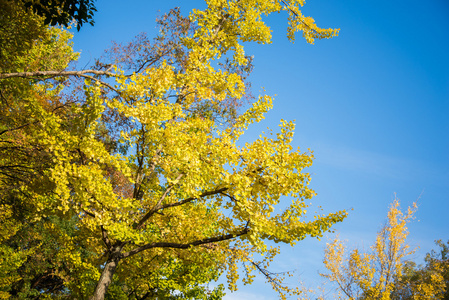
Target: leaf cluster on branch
[63, 12]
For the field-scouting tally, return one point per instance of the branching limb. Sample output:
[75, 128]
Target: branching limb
[17, 128]
[158, 205]
[51, 74]
[89, 213]
[102, 83]
[271, 276]
[230, 197]
[104, 236]
[296, 14]
[188, 245]
[55, 73]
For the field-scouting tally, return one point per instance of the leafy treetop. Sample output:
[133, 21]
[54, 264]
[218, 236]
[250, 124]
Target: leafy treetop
[62, 12]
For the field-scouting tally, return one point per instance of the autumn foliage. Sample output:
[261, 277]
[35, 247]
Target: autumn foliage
[129, 180]
[384, 270]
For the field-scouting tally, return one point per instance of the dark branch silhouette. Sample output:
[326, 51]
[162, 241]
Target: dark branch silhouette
[188, 245]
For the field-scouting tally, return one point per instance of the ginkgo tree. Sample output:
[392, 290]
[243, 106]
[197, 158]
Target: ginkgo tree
[134, 186]
[383, 271]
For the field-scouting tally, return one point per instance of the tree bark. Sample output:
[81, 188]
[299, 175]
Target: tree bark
[115, 255]
[106, 276]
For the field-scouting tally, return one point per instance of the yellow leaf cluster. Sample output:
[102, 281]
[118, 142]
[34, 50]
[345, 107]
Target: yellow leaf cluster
[187, 200]
[378, 273]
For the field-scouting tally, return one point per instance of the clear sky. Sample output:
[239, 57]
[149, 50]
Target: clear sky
[372, 103]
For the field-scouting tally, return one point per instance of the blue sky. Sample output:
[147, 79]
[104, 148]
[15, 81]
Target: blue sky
[373, 105]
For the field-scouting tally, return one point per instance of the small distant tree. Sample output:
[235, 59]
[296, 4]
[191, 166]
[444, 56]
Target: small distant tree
[382, 272]
[428, 280]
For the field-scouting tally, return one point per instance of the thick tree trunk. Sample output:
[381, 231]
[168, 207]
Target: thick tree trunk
[106, 276]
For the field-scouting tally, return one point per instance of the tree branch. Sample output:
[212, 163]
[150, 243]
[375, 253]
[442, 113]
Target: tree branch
[293, 12]
[55, 73]
[89, 213]
[188, 245]
[64, 73]
[104, 236]
[268, 275]
[17, 128]
[101, 82]
[230, 197]
[193, 198]
[158, 205]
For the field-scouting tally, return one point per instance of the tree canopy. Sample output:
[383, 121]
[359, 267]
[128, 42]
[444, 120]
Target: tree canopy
[432, 278]
[62, 12]
[129, 180]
